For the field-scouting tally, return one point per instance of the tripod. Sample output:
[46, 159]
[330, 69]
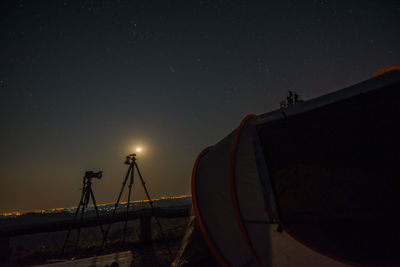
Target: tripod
[87, 193]
[131, 161]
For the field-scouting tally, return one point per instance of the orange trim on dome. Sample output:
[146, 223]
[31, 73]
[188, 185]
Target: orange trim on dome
[221, 260]
[387, 69]
[234, 199]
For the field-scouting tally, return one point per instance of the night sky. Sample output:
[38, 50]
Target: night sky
[82, 83]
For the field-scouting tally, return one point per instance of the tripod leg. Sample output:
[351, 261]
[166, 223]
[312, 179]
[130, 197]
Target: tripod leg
[115, 207]
[152, 206]
[144, 186]
[97, 212]
[73, 220]
[127, 206]
[85, 202]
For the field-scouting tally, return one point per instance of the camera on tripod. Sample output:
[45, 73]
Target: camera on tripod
[87, 195]
[91, 174]
[130, 158]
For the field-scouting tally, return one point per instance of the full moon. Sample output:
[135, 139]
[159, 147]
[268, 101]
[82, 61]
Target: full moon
[139, 149]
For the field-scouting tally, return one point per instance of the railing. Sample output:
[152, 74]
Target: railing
[64, 225]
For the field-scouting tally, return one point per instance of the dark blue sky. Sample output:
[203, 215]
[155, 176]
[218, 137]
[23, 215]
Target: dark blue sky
[83, 82]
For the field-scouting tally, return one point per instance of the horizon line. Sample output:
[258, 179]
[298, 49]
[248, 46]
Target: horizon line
[42, 211]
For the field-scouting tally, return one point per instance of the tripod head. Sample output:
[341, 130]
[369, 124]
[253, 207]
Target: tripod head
[90, 174]
[130, 159]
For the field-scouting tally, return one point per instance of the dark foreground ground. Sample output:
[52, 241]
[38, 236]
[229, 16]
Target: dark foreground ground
[43, 248]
